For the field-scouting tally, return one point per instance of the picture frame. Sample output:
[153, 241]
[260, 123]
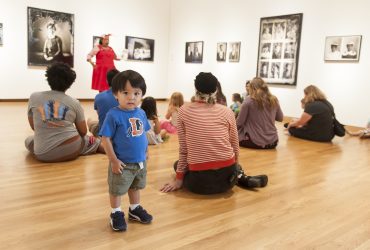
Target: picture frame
[96, 40]
[221, 52]
[1, 34]
[234, 51]
[342, 48]
[194, 52]
[50, 37]
[139, 49]
[278, 49]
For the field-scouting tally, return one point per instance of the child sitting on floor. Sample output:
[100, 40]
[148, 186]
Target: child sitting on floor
[176, 101]
[155, 135]
[237, 102]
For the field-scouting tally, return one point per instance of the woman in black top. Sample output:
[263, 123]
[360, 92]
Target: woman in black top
[316, 122]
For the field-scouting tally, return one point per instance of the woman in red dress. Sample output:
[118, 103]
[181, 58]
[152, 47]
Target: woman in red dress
[104, 62]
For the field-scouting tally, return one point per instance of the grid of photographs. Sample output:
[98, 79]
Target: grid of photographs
[278, 50]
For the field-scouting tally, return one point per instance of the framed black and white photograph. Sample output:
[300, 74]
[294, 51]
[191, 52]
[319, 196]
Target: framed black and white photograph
[234, 51]
[221, 52]
[96, 40]
[50, 37]
[194, 52]
[139, 49]
[342, 48]
[1, 34]
[278, 49]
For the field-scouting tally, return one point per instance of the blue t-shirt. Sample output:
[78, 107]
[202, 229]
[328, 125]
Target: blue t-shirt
[127, 129]
[103, 102]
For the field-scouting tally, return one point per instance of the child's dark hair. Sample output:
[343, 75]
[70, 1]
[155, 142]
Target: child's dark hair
[110, 75]
[60, 76]
[149, 105]
[120, 80]
[237, 97]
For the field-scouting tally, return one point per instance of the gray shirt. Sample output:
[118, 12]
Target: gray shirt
[54, 114]
[256, 124]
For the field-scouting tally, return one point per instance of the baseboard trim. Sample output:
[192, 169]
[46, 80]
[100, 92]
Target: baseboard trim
[80, 99]
[14, 100]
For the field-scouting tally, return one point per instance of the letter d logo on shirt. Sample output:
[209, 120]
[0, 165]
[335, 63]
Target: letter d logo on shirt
[137, 127]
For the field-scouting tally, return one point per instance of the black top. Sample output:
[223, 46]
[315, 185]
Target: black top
[320, 126]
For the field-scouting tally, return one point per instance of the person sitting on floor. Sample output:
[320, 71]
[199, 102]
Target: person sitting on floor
[58, 120]
[209, 146]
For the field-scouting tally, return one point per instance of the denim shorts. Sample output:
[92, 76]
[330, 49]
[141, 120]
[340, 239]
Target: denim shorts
[132, 177]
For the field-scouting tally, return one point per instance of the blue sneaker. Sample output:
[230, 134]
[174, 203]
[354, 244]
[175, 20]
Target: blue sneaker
[139, 214]
[117, 221]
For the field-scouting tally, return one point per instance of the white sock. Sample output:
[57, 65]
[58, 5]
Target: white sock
[117, 209]
[133, 206]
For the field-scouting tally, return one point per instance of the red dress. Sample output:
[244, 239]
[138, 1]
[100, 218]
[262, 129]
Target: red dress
[104, 63]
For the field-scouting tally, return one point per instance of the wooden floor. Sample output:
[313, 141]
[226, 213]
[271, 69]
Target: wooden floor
[318, 197]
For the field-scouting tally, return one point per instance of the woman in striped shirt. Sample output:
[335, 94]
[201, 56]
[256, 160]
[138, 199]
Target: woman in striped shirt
[209, 145]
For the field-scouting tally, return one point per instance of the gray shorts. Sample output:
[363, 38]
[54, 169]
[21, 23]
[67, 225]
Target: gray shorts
[132, 177]
[83, 146]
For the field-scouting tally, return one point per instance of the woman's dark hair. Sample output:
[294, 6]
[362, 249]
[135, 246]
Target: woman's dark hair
[101, 40]
[110, 75]
[60, 76]
[120, 80]
[149, 105]
[220, 97]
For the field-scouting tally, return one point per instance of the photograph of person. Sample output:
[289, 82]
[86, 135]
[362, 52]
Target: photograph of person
[221, 52]
[194, 52]
[276, 52]
[289, 50]
[53, 44]
[279, 30]
[275, 71]
[288, 71]
[334, 53]
[349, 51]
[292, 29]
[264, 70]
[267, 31]
[266, 51]
[50, 37]
[198, 52]
[234, 54]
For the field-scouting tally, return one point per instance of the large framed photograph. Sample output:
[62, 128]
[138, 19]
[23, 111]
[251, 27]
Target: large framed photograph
[1, 34]
[234, 53]
[278, 49]
[50, 37]
[139, 49]
[194, 52]
[221, 52]
[342, 48]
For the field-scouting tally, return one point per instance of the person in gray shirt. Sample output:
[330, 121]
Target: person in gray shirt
[257, 116]
[58, 121]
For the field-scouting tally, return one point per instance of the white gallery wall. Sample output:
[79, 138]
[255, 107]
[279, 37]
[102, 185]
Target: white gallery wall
[347, 85]
[171, 23]
[139, 18]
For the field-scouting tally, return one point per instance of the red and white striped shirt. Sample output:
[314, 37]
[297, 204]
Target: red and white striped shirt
[208, 137]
